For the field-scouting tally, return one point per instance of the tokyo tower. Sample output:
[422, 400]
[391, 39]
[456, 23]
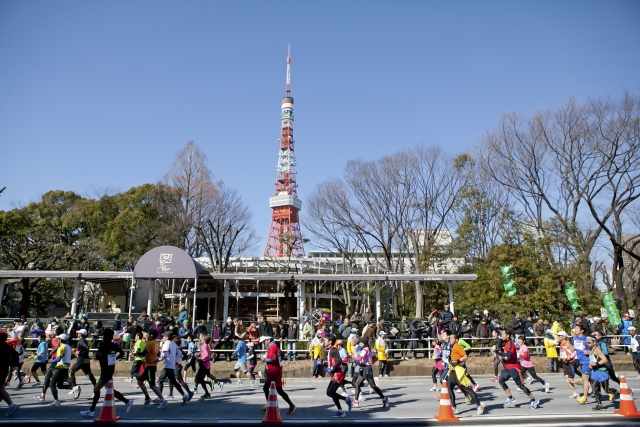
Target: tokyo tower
[285, 239]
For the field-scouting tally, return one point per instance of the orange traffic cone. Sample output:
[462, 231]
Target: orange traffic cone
[272, 415]
[108, 411]
[627, 406]
[446, 410]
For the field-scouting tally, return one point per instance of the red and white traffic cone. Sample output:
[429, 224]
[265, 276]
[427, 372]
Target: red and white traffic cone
[272, 415]
[108, 411]
[627, 405]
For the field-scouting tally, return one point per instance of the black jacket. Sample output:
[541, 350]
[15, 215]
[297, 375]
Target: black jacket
[292, 332]
[266, 329]
[517, 326]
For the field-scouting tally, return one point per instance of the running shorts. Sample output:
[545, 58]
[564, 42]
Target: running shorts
[150, 374]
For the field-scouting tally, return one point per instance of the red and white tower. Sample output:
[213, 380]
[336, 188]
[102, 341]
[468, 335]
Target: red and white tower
[285, 239]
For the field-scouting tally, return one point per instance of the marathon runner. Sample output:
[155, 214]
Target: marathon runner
[582, 358]
[527, 364]
[274, 372]
[107, 354]
[336, 370]
[512, 369]
[82, 363]
[366, 372]
[42, 357]
[597, 371]
[152, 348]
[58, 370]
[459, 378]
[567, 356]
[8, 357]
[171, 355]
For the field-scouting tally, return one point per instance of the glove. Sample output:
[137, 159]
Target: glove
[328, 369]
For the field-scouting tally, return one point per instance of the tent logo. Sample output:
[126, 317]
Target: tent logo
[164, 260]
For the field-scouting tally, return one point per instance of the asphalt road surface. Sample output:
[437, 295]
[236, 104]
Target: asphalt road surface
[411, 403]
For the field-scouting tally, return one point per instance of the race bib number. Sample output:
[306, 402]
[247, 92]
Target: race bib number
[579, 345]
[111, 359]
[592, 358]
[563, 354]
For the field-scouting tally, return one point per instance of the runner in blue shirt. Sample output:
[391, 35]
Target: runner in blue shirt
[241, 354]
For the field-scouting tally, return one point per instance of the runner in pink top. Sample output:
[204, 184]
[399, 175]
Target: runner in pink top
[527, 364]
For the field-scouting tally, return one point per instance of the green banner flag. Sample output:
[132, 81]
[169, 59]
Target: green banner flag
[612, 310]
[509, 284]
[572, 295]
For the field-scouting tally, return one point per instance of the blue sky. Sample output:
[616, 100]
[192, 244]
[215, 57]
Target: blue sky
[104, 94]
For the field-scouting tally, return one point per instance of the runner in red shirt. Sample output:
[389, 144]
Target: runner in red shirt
[337, 376]
[274, 372]
[512, 369]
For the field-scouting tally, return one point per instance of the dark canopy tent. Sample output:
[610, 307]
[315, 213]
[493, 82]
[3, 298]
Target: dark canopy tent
[170, 262]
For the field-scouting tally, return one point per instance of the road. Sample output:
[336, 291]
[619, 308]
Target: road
[411, 403]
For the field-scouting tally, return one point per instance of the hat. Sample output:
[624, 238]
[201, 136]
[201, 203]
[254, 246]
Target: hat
[168, 334]
[625, 314]
[382, 333]
[185, 322]
[264, 338]
[63, 337]
[354, 330]
[228, 319]
[486, 312]
[562, 334]
[596, 318]
[548, 332]
[82, 332]
[318, 333]
[632, 327]
[464, 322]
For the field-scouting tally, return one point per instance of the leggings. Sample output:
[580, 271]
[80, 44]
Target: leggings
[201, 374]
[595, 386]
[366, 373]
[496, 364]
[532, 373]
[170, 374]
[612, 373]
[57, 376]
[85, 368]
[435, 371]
[332, 392]
[49, 378]
[267, 385]
[517, 377]
[452, 382]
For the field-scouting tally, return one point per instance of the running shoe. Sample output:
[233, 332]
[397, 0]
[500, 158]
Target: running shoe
[148, 401]
[434, 388]
[291, 410]
[239, 383]
[339, 414]
[170, 397]
[467, 400]
[190, 396]
[599, 408]
[37, 383]
[39, 397]
[185, 399]
[476, 387]
[76, 392]
[355, 403]
[163, 404]
[385, 402]
[437, 396]
[206, 396]
[87, 413]
[534, 404]
[195, 391]
[456, 410]
[12, 408]
[349, 402]
[128, 379]
[27, 379]
[55, 403]
[509, 401]
[574, 396]
[220, 385]
[480, 410]
[362, 397]
[494, 379]
[253, 383]
[528, 381]
[582, 399]
[547, 387]
[129, 405]
[611, 397]
[21, 383]
[156, 400]
[519, 389]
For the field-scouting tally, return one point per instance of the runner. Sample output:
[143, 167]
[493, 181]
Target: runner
[567, 356]
[191, 357]
[438, 366]
[597, 371]
[139, 350]
[8, 357]
[152, 348]
[336, 370]
[178, 372]
[171, 355]
[459, 378]
[496, 349]
[241, 364]
[512, 370]
[582, 358]
[107, 354]
[253, 362]
[82, 363]
[274, 372]
[366, 372]
[527, 364]
[344, 357]
[42, 358]
[58, 370]
[612, 373]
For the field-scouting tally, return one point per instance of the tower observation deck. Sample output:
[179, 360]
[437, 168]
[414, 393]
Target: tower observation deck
[285, 239]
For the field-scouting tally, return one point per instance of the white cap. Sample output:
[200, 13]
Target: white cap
[63, 337]
[486, 312]
[82, 332]
[263, 338]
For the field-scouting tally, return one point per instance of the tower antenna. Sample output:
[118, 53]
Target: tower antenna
[289, 71]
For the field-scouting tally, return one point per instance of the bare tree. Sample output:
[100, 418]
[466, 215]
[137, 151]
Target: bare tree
[190, 175]
[227, 232]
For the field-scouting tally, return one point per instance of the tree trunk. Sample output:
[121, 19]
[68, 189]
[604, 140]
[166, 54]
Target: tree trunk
[419, 299]
[25, 303]
[618, 270]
